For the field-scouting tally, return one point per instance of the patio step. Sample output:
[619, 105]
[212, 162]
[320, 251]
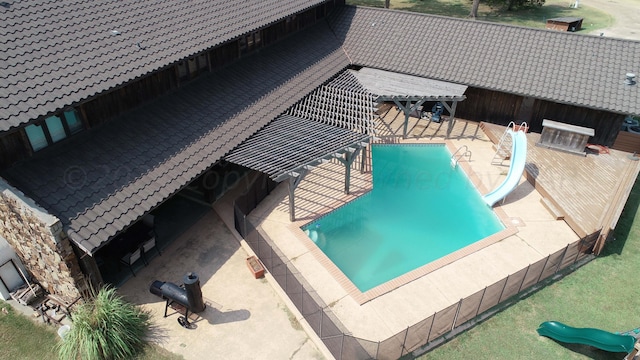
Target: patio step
[553, 209]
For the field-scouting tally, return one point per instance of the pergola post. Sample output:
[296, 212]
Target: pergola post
[349, 157]
[452, 115]
[294, 181]
[363, 159]
[407, 109]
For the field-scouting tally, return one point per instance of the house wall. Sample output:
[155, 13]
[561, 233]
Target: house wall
[38, 240]
[12, 148]
[501, 108]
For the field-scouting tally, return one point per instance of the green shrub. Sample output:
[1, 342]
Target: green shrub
[107, 327]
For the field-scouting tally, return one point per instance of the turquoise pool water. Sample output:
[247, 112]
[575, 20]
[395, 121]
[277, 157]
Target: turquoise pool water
[420, 209]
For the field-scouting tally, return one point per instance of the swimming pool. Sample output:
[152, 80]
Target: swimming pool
[420, 209]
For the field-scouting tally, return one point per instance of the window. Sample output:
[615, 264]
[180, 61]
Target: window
[53, 129]
[192, 67]
[56, 130]
[35, 133]
[73, 122]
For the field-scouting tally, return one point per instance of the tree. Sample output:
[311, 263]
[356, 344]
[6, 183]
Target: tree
[106, 327]
[474, 9]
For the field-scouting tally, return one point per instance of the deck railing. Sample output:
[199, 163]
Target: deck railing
[422, 336]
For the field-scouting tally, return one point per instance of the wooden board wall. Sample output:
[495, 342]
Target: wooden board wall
[501, 108]
[628, 142]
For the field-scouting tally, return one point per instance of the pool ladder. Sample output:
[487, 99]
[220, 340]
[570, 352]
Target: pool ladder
[459, 154]
[503, 150]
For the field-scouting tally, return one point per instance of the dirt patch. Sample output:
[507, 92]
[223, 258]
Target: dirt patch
[626, 15]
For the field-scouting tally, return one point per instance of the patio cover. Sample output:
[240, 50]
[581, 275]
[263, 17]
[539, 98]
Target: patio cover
[334, 122]
[290, 145]
[409, 92]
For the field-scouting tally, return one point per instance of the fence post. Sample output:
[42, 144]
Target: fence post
[480, 303]
[286, 277]
[561, 259]
[504, 287]
[431, 326]
[404, 341]
[244, 225]
[455, 318]
[524, 278]
[544, 267]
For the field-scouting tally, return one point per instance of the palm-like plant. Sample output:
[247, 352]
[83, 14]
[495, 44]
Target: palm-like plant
[107, 327]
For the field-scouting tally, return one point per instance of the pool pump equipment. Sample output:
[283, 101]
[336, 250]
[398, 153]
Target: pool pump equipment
[187, 295]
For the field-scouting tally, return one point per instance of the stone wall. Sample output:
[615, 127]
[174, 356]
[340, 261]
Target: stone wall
[40, 242]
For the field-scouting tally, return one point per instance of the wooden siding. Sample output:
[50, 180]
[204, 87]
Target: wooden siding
[628, 142]
[13, 148]
[501, 108]
[606, 124]
[489, 106]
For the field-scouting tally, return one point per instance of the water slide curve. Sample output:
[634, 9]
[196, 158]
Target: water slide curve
[600, 339]
[518, 160]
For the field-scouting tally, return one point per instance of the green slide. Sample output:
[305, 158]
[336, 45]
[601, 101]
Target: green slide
[593, 337]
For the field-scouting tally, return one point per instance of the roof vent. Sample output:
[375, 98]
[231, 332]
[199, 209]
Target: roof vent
[115, 32]
[631, 79]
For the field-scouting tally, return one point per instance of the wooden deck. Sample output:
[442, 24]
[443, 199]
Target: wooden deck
[588, 192]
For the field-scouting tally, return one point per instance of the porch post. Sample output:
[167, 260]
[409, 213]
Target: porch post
[452, 118]
[349, 156]
[294, 181]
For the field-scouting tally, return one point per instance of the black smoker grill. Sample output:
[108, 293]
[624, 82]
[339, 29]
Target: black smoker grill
[189, 295]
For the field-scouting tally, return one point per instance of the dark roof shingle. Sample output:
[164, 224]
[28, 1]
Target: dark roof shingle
[57, 53]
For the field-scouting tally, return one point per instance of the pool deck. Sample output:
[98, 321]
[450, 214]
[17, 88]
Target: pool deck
[242, 310]
[539, 232]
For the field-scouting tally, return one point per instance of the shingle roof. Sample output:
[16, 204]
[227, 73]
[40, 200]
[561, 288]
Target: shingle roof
[582, 70]
[99, 182]
[58, 52]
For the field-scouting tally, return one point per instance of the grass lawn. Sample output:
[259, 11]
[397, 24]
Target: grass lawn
[602, 294]
[534, 17]
[24, 339]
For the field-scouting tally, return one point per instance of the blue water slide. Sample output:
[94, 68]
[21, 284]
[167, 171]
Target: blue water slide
[518, 160]
[600, 339]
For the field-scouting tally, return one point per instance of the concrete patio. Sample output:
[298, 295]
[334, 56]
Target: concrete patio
[244, 318]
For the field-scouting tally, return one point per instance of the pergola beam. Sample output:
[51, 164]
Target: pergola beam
[407, 109]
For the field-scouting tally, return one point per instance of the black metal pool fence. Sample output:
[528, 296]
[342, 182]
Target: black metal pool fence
[423, 335]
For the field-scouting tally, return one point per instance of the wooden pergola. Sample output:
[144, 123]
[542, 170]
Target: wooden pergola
[410, 92]
[334, 122]
[289, 147]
